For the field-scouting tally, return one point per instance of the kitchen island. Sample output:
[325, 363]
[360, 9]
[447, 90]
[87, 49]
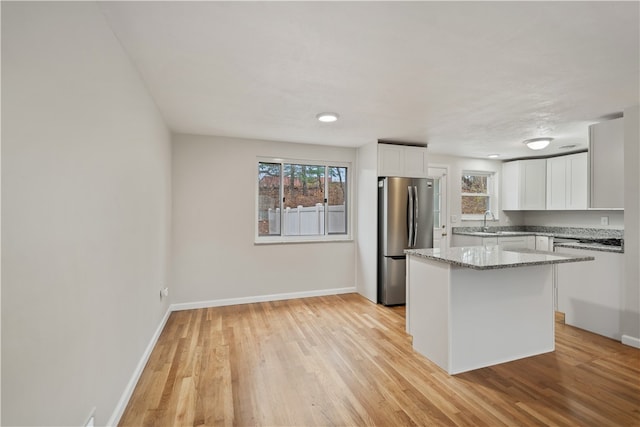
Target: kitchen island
[472, 307]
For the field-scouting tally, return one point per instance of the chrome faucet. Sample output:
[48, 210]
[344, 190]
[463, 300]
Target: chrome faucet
[484, 220]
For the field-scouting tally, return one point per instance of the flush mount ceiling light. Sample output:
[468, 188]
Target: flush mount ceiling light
[493, 156]
[327, 117]
[538, 143]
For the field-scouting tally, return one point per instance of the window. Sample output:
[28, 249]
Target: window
[477, 194]
[301, 201]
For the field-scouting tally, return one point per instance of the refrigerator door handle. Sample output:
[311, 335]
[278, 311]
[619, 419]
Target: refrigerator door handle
[415, 216]
[410, 218]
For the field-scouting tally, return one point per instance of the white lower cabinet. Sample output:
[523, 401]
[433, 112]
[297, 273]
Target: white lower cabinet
[460, 240]
[488, 241]
[517, 242]
[590, 293]
[510, 242]
[544, 243]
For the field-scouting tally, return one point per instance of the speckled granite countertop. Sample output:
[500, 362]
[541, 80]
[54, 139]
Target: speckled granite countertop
[593, 234]
[591, 247]
[493, 257]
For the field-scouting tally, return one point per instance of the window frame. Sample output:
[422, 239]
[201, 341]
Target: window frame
[319, 238]
[491, 193]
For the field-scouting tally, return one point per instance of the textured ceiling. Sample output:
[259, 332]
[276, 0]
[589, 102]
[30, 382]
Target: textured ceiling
[468, 78]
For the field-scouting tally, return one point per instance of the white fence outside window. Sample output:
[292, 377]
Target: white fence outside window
[307, 221]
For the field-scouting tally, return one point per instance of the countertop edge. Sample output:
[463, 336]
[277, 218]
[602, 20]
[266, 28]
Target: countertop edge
[570, 258]
[576, 245]
[591, 247]
[510, 233]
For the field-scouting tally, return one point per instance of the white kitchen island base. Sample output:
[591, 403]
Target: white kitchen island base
[463, 318]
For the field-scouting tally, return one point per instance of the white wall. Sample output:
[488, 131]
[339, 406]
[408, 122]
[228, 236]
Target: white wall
[85, 215]
[631, 318]
[456, 166]
[367, 222]
[586, 219]
[214, 202]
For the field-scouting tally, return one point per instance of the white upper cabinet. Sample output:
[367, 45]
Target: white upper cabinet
[567, 182]
[390, 160]
[556, 183]
[524, 185]
[606, 161]
[402, 160]
[533, 177]
[510, 186]
[415, 162]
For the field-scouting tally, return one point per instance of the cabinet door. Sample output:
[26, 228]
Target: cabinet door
[542, 244]
[556, 183]
[577, 181]
[403, 161]
[567, 182]
[489, 241]
[415, 162]
[606, 157]
[510, 186]
[531, 242]
[390, 158]
[460, 240]
[519, 242]
[590, 294]
[533, 175]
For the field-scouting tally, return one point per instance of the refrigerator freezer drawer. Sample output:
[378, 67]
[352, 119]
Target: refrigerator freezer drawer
[393, 271]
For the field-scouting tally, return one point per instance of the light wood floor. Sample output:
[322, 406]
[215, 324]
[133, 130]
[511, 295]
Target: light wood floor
[341, 360]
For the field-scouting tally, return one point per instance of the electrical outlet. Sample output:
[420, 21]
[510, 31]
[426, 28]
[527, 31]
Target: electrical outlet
[604, 220]
[164, 292]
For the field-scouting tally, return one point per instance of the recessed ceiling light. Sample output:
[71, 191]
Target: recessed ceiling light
[493, 156]
[538, 143]
[568, 146]
[327, 117]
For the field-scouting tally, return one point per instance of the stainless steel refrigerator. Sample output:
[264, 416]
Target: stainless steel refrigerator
[405, 221]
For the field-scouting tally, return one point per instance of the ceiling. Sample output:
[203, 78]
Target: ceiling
[466, 78]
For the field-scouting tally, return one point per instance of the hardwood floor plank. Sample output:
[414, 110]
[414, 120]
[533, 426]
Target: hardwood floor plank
[341, 360]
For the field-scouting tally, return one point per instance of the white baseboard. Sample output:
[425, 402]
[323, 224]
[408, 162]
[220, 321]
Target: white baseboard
[260, 298]
[631, 341]
[126, 395]
[128, 391]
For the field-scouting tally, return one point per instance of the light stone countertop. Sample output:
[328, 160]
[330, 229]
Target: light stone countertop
[529, 230]
[494, 257]
[591, 247]
[593, 234]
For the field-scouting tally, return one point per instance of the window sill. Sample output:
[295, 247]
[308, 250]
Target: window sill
[301, 239]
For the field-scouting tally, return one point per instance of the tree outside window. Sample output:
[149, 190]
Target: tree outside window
[477, 193]
[296, 199]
